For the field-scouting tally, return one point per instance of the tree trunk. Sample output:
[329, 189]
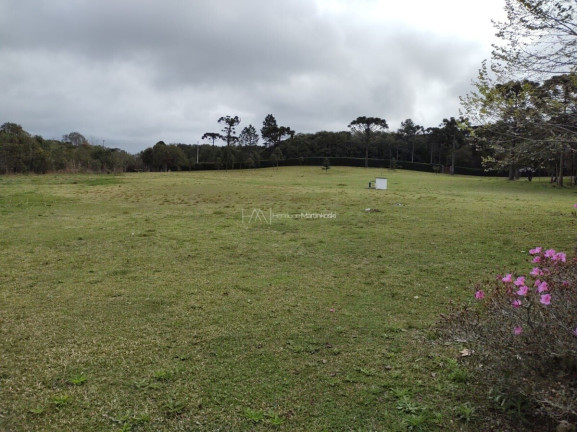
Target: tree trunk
[560, 176]
[453, 156]
[511, 172]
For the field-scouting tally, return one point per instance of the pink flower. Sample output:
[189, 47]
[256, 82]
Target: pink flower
[516, 303]
[520, 281]
[575, 332]
[331, 309]
[537, 259]
[536, 271]
[565, 284]
[518, 330]
[560, 257]
[536, 251]
[549, 253]
[508, 278]
[523, 290]
[546, 299]
[479, 295]
[575, 206]
[538, 282]
[542, 287]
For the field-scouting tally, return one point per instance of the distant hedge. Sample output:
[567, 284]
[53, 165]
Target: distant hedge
[355, 162]
[382, 163]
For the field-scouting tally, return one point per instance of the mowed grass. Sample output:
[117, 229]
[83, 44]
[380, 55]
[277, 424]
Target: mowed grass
[152, 302]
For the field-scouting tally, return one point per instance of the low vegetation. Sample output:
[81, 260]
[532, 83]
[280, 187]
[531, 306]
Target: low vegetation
[165, 302]
[521, 338]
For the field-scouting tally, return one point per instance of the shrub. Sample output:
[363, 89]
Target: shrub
[521, 331]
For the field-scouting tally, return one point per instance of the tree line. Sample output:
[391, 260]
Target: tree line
[368, 139]
[521, 119]
[20, 152]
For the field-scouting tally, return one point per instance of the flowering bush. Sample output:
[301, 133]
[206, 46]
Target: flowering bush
[522, 332]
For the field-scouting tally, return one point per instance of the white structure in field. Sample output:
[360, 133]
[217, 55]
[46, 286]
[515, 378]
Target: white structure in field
[381, 183]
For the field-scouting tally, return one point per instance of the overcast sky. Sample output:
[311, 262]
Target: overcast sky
[128, 73]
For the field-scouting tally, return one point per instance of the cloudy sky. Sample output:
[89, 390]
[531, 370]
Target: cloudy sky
[128, 73]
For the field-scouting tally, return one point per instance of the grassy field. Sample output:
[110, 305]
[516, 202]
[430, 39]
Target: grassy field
[153, 302]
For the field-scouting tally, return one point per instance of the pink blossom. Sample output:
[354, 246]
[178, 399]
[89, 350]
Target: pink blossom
[520, 281]
[575, 206]
[546, 299]
[565, 284]
[516, 303]
[538, 282]
[331, 309]
[536, 251]
[536, 271]
[523, 290]
[542, 287]
[518, 330]
[575, 332]
[537, 259]
[550, 253]
[508, 278]
[480, 295]
[560, 257]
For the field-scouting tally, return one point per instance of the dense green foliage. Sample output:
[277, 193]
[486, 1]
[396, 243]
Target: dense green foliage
[525, 106]
[411, 147]
[526, 125]
[22, 153]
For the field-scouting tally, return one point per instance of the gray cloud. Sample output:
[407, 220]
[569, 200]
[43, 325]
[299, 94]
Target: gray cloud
[133, 72]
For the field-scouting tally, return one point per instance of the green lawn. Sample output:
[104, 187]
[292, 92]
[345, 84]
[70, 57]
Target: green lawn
[146, 302]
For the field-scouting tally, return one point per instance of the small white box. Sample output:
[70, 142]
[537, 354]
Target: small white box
[381, 183]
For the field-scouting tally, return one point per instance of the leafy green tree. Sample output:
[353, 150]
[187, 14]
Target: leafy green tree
[272, 133]
[249, 162]
[366, 128]
[75, 138]
[229, 129]
[276, 156]
[101, 158]
[539, 38]
[529, 98]
[20, 152]
[213, 136]
[408, 131]
[256, 158]
[121, 160]
[13, 129]
[269, 130]
[248, 136]
[558, 104]
[508, 117]
[228, 157]
[147, 156]
[454, 132]
[435, 139]
[161, 157]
